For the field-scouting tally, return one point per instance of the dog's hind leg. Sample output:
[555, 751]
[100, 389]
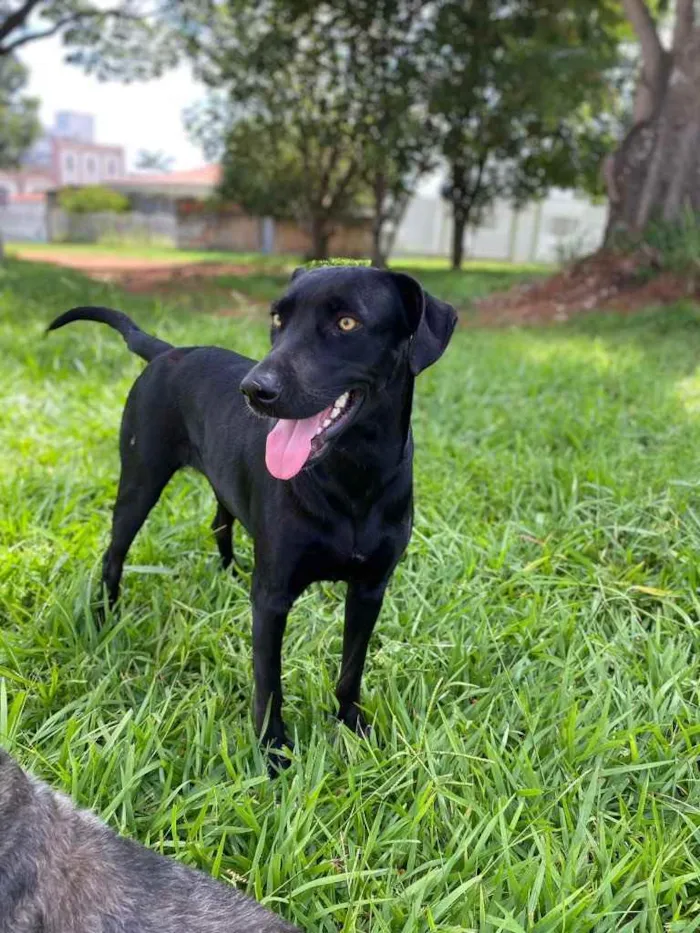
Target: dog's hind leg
[222, 526]
[148, 462]
[137, 495]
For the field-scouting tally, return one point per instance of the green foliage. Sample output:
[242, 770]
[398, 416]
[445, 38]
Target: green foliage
[262, 170]
[676, 245]
[19, 124]
[534, 675]
[319, 108]
[126, 39]
[92, 199]
[525, 98]
[323, 106]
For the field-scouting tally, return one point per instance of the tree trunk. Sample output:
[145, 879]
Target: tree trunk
[459, 225]
[379, 192]
[320, 237]
[378, 259]
[655, 173]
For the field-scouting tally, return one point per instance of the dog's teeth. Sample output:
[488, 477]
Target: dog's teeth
[327, 423]
[335, 413]
[343, 400]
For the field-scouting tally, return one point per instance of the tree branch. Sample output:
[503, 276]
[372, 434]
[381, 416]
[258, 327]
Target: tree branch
[8, 48]
[18, 18]
[652, 51]
[685, 20]
[336, 200]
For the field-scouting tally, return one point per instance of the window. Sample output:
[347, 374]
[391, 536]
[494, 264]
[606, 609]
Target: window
[70, 167]
[90, 165]
[111, 167]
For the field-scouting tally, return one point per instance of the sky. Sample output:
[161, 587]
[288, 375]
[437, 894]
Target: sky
[147, 115]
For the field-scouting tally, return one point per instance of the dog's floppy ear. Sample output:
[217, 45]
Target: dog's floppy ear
[430, 322]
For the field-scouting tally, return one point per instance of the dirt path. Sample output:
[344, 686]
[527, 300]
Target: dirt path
[89, 262]
[137, 273]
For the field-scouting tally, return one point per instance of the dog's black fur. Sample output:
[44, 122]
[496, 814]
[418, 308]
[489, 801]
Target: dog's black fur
[63, 871]
[347, 515]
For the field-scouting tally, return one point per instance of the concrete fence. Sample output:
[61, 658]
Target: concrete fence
[24, 221]
[560, 226]
[95, 228]
[234, 231]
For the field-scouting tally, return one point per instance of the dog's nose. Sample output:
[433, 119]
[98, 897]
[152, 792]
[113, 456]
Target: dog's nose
[262, 388]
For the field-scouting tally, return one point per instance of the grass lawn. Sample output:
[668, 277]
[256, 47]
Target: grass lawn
[534, 678]
[267, 275]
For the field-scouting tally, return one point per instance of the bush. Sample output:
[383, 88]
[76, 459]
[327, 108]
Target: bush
[93, 199]
[677, 244]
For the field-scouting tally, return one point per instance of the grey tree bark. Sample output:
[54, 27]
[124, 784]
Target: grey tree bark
[655, 172]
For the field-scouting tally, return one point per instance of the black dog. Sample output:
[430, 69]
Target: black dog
[323, 481]
[64, 871]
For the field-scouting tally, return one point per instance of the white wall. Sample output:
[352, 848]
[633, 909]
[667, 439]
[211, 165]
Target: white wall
[87, 165]
[561, 224]
[24, 221]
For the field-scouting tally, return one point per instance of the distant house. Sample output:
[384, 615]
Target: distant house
[66, 154]
[156, 191]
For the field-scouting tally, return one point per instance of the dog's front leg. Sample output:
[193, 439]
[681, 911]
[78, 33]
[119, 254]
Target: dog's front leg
[269, 621]
[362, 606]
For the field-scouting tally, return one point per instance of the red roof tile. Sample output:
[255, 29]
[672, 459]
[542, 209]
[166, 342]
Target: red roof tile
[206, 175]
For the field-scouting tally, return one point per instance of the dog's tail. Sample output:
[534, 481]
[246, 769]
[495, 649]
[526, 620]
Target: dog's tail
[144, 345]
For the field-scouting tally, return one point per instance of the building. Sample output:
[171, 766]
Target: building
[80, 127]
[65, 155]
[199, 183]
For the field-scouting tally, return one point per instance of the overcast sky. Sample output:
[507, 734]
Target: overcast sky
[137, 116]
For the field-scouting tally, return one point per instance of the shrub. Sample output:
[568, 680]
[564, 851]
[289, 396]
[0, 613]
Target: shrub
[677, 244]
[93, 199]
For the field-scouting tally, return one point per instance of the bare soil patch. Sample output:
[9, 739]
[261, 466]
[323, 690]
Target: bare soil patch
[603, 281]
[135, 273]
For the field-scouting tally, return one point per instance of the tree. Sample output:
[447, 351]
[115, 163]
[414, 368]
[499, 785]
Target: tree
[654, 175]
[320, 107]
[524, 100]
[399, 137]
[288, 79]
[262, 170]
[126, 39]
[19, 124]
[402, 152]
[154, 161]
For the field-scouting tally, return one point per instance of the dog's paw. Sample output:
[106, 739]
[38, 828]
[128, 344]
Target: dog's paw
[101, 612]
[279, 755]
[355, 721]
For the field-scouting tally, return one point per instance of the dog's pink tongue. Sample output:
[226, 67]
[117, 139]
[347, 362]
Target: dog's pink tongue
[289, 445]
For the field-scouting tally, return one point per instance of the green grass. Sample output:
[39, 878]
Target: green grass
[266, 275]
[534, 678]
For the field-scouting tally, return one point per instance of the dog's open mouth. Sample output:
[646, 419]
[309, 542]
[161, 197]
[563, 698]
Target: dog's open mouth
[292, 443]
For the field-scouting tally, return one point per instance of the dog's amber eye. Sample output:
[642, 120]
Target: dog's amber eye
[276, 320]
[346, 324]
